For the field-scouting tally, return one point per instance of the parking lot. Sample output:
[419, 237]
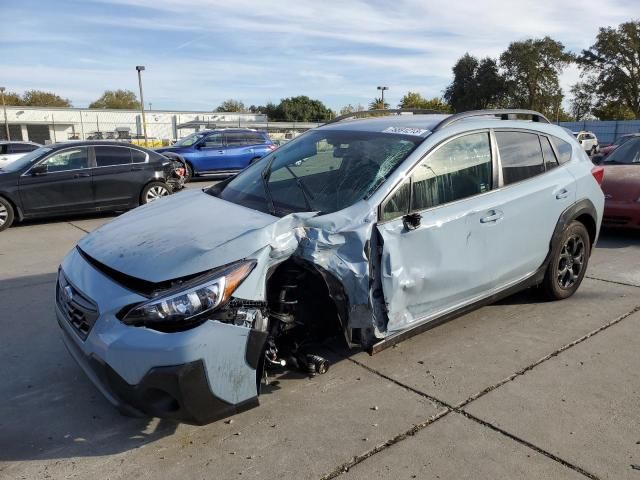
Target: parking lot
[519, 389]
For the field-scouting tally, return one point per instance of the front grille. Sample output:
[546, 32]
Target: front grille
[80, 311]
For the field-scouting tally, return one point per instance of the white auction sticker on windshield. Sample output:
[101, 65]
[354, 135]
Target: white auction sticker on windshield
[418, 132]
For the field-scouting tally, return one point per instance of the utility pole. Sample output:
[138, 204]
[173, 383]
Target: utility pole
[382, 89]
[139, 69]
[4, 108]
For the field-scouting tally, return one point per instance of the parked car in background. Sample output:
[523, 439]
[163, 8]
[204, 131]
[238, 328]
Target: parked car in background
[588, 141]
[78, 177]
[621, 185]
[619, 141]
[371, 229]
[11, 151]
[221, 152]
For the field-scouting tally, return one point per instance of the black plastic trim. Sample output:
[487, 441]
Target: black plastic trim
[255, 346]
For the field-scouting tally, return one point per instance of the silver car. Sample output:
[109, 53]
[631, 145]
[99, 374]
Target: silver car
[374, 228]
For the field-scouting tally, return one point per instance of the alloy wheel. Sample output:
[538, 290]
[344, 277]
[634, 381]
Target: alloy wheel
[156, 192]
[571, 261]
[4, 214]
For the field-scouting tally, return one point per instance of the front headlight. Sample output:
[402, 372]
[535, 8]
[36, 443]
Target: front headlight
[191, 302]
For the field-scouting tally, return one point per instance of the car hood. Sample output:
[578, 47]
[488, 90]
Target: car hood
[171, 149]
[188, 233]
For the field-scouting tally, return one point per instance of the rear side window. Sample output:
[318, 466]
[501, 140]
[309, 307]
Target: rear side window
[550, 160]
[563, 148]
[111, 156]
[521, 156]
[254, 138]
[138, 156]
[22, 148]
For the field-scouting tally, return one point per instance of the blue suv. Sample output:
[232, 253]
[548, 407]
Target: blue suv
[221, 152]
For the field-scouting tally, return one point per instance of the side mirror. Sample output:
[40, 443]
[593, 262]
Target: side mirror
[597, 159]
[40, 169]
[411, 221]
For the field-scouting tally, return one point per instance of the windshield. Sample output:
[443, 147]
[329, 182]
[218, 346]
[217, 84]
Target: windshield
[26, 160]
[320, 171]
[190, 140]
[628, 152]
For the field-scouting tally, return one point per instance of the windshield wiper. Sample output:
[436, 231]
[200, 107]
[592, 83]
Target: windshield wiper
[266, 173]
[306, 194]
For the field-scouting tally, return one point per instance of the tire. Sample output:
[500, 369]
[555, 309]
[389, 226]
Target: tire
[568, 264]
[188, 172]
[153, 191]
[7, 214]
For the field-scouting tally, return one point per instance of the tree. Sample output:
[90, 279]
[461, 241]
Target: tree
[12, 98]
[297, 109]
[347, 109]
[40, 98]
[583, 99]
[117, 99]
[477, 84]
[378, 104]
[531, 69]
[613, 65]
[415, 100]
[231, 105]
[612, 110]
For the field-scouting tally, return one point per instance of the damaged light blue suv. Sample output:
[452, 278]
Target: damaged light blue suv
[376, 228]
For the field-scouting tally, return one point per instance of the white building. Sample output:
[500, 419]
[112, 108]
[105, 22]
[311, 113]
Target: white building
[47, 125]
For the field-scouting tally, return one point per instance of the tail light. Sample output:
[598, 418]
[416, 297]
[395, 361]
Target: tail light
[272, 147]
[598, 174]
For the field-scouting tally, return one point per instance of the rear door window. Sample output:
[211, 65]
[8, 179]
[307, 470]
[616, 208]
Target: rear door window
[521, 156]
[112, 156]
[236, 139]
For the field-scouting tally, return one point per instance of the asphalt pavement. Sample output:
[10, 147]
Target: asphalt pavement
[518, 389]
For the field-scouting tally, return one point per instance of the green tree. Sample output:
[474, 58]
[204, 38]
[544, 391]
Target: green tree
[298, 109]
[40, 98]
[231, 105]
[117, 99]
[531, 69]
[415, 100]
[613, 110]
[378, 104]
[347, 109]
[477, 84]
[612, 64]
[582, 101]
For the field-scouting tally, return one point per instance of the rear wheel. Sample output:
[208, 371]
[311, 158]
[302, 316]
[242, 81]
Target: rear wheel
[568, 264]
[6, 214]
[592, 152]
[154, 191]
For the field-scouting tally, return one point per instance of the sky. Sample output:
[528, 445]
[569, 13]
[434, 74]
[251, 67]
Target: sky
[199, 53]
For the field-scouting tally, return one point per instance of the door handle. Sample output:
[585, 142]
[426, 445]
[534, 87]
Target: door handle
[564, 193]
[220, 151]
[133, 169]
[493, 217]
[79, 175]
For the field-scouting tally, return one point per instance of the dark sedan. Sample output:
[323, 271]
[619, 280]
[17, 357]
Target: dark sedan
[80, 177]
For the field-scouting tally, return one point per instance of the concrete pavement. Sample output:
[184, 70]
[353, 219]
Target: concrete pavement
[520, 389]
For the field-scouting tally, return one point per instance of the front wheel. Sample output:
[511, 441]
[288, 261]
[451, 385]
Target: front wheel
[188, 172]
[568, 264]
[154, 191]
[6, 214]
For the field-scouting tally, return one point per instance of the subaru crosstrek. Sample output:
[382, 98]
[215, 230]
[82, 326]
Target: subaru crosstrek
[220, 152]
[376, 228]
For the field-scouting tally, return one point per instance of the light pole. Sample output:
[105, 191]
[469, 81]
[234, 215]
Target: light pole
[139, 69]
[4, 108]
[382, 89]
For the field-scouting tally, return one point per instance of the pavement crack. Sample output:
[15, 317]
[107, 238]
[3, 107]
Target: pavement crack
[78, 227]
[553, 354]
[528, 444]
[615, 282]
[345, 467]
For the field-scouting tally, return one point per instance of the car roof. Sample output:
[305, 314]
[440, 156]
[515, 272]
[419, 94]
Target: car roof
[88, 143]
[228, 130]
[378, 124]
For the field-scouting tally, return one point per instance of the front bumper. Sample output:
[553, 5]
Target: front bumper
[195, 376]
[621, 215]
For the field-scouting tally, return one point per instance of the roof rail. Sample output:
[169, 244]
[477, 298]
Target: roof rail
[386, 111]
[503, 113]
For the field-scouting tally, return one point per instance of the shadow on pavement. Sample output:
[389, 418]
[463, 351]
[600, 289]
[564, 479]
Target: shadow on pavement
[618, 238]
